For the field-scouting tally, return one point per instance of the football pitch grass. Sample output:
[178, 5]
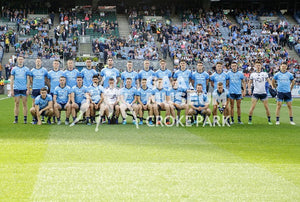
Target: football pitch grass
[121, 163]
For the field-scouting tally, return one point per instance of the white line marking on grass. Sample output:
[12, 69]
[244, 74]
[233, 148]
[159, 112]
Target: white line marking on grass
[4, 98]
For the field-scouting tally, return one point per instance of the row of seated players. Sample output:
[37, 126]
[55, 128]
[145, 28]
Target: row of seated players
[159, 83]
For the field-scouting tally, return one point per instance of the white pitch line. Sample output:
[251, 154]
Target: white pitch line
[4, 98]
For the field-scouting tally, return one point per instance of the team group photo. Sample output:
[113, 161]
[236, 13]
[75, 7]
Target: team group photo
[136, 100]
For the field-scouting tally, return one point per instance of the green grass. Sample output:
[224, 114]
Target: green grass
[121, 163]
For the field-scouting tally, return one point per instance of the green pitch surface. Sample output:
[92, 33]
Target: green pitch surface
[121, 163]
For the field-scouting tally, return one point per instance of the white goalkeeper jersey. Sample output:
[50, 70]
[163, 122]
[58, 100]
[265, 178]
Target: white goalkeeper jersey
[111, 95]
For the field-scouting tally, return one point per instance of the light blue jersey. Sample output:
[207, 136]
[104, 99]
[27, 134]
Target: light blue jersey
[95, 92]
[133, 75]
[216, 78]
[198, 100]
[42, 103]
[71, 77]
[178, 95]
[160, 95]
[54, 76]
[88, 76]
[108, 73]
[147, 75]
[283, 81]
[200, 78]
[79, 93]
[145, 94]
[183, 78]
[235, 82]
[128, 94]
[62, 94]
[20, 77]
[165, 76]
[38, 77]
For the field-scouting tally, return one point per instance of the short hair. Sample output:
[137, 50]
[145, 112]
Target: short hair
[111, 79]
[79, 76]
[129, 62]
[162, 60]
[159, 79]
[233, 62]
[219, 63]
[44, 89]
[128, 78]
[109, 57]
[144, 79]
[182, 61]
[63, 77]
[175, 79]
[199, 84]
[257, 61]
[200, 62]
[283, 63]
[56, 61]
[95, 76]
[220, 84]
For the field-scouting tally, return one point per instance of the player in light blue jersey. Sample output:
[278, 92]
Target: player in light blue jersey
[71, 74]
[183, 76]
[198, 104]
[96, 93]
[128, 99]
[78, 97]
[53, 79]
[38, 76]
[109, 72]
[164, 74]
[285, 83]
[200, 76]
[220, 101]
[236, 82]
[129, 73]
[88, 73]
[161, 99]
[148, 74]
[178, 100]
[218, 76]
[54, 76]
[144, 99]
[19, 85]
[62, 100]
[43, 106]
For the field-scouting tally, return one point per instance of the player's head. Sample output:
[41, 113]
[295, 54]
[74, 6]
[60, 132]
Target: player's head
[111, 81]
[62, 81]
[56, 65]
[175, 83]
[95, 79]
[220, 87]
[128, 82]
[160, 83]
[219, 67]
[79, 81]
[200, 67]
[38, 63]
[43, 92]
[144, 83]
[182, 64]
[234, 66]
[129, 66]
[199, 87]
[283, 67]
[110, 62]
[88, 63]
[163, 64]
[70, 65]
[20, 61]
[146, 65]
[257, 65]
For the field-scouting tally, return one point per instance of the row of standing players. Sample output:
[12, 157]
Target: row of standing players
[88, 92]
